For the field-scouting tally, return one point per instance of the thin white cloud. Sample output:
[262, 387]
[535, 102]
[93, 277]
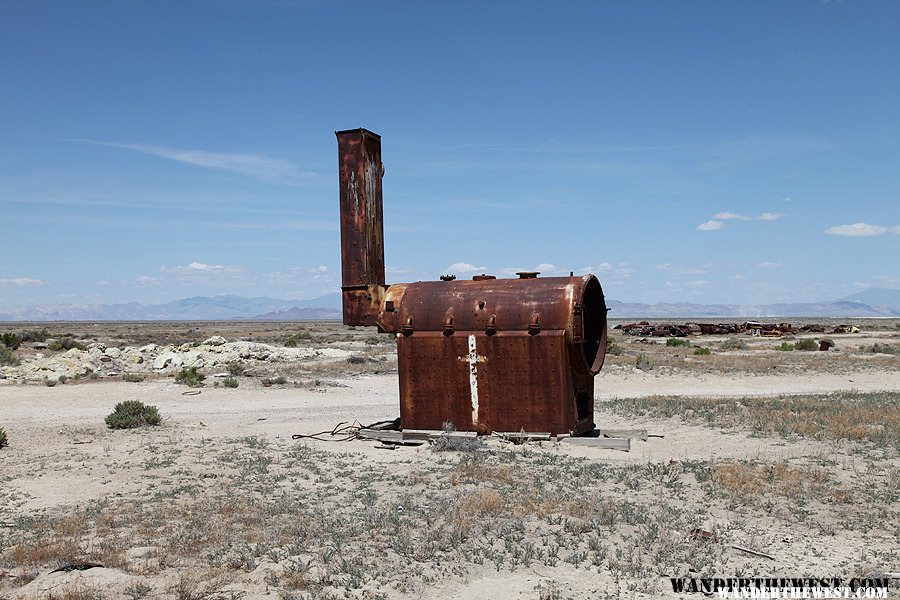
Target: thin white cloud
[266, 168]
[710, 225]
[145, 280]
[199, 268]
[861, 230]
[766, 264]
[681, 270]
[21, 282]
[731, 216]
[608, 269]
[463, 268]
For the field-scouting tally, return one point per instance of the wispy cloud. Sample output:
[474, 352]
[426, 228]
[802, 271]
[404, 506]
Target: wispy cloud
[730, 216]
[710, 225]
[266, 168]
[767, 264]
[718, 220]
[463, 268]
[861, 230]
[199, 268]
[682, 270]
[21, 282]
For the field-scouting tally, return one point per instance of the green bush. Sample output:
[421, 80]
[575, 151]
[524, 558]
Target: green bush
[10, 340]
[642, 362]
[294, 340]
[806, 345]
[875, 348]
[230, 382]
[132, 378]
[291, 342]
[34, 335]
[734, 344]
[65, 343]
[785, 347]
[235, 369]
[132, 413]
[678, 343]
[702, 351]
[613, 348]
[373, 340]
[7, 357]
[190, 376]
[4, 441]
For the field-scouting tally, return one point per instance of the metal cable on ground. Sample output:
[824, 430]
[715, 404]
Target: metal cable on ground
[350, 432]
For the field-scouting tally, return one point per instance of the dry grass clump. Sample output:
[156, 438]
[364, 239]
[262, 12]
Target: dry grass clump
[749, 479]
[869, 417]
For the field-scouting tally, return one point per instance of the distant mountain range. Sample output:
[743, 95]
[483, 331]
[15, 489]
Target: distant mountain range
[873, 302]
[199, 308]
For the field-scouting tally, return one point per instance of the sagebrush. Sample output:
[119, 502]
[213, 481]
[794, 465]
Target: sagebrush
[190, 376]
[133, 413]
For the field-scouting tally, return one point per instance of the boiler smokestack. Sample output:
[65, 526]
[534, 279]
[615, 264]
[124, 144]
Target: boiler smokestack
[362, 225]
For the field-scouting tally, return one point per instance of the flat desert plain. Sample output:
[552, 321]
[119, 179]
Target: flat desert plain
[759, 463]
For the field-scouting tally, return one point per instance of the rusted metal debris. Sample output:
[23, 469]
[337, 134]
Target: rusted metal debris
[485, 354]
[647, 329]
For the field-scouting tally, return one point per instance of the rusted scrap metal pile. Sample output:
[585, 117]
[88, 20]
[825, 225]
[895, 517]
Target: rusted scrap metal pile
[646, 329]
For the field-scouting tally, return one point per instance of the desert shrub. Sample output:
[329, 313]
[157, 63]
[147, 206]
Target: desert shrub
[806, 345]
[642, 362]
[785, 347]
[50, 382]
[7, 358]
[702, 351]
[294, 340]
[826, 344]
[132, 377]
[448, 442]
[4, 441]
[678, 343]
[10, 340]
[613, 348]
[274, 381]
[65, 343]
[235, 369]
[733, 344]
[190, 376]
[230, 382]
[356, 360]
[132, 413]
[875, 348]
[34, 335]
[373, 339]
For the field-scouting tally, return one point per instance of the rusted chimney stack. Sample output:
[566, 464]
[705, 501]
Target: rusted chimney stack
[362, 225]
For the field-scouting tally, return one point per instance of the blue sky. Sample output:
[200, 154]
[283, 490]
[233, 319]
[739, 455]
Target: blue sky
[741, 152]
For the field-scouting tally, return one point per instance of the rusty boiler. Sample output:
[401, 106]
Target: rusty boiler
[486, 354]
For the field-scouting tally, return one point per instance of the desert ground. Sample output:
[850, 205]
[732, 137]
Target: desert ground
[792, 456]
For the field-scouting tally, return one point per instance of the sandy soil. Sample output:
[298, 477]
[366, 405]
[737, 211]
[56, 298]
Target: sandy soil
[62, 459]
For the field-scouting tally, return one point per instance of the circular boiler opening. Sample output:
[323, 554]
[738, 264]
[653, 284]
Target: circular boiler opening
[594, 322]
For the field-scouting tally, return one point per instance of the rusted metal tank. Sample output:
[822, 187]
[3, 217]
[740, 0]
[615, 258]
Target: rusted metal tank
[485, 354]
